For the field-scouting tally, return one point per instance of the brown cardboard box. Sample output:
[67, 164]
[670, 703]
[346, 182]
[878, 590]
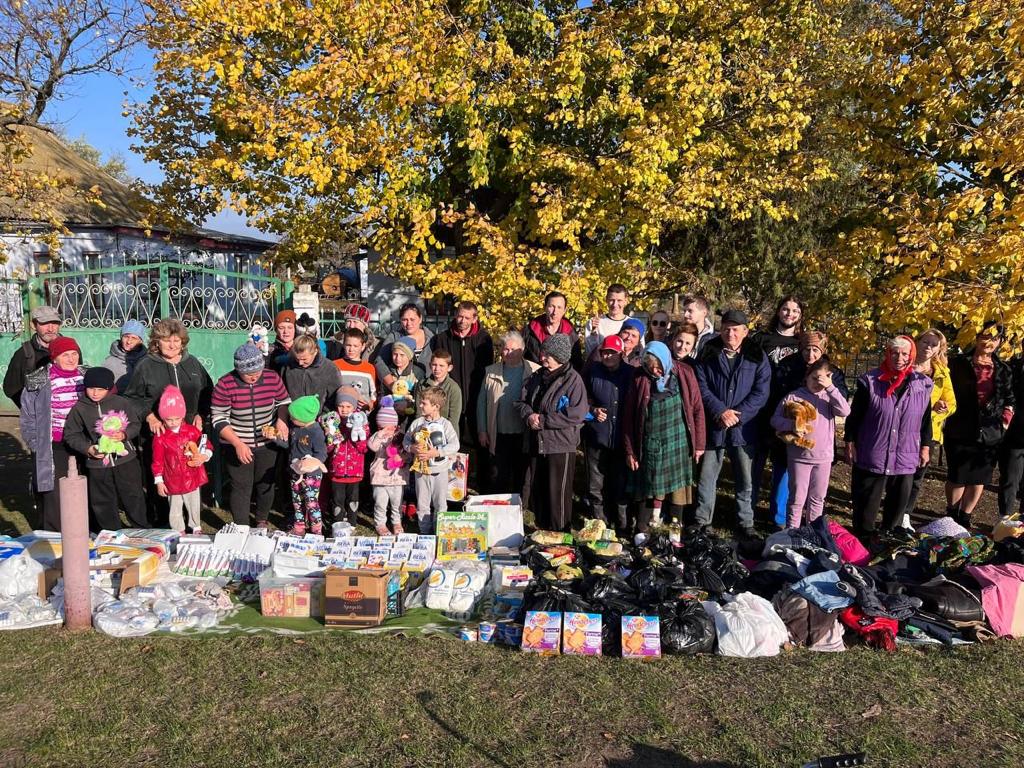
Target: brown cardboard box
[132, 573]
[355, 598]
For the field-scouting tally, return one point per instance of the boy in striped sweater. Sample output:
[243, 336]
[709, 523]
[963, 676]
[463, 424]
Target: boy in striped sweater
[249, 410]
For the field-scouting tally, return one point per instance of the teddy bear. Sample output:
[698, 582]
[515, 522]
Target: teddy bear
[803, 415]
[259, 336]
[107, 426]
[357, 423]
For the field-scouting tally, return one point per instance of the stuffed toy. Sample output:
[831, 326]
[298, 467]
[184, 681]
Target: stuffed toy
[195, 453]
[803, 415]
[421, 465]
[394, 460]
[357, 422]
[259, 336]
[401, 391]
[110, 424]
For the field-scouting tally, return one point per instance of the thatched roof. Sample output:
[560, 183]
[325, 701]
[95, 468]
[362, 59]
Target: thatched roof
[121, 205]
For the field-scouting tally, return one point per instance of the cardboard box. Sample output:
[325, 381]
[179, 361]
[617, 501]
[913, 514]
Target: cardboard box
[462, 535]
[121, 576]
[542, 632]
[581, 634]
[291, 598]
[641, 637]
[356, 598]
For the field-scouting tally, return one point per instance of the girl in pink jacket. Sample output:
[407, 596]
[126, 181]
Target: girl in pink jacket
[811, 449]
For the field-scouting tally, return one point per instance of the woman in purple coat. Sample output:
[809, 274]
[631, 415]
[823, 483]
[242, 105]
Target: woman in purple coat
[888, 434]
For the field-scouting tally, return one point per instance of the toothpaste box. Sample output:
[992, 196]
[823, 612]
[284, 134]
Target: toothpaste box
[581, 634]
[366, 541]
[641, 637]
[406, 538]
[542, 632]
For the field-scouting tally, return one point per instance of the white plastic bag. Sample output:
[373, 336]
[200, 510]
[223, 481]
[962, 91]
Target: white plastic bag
[19, 576]
[747, 627]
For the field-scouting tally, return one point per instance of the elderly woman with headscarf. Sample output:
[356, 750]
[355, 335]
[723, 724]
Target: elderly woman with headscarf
[663, 432]
[888, 436]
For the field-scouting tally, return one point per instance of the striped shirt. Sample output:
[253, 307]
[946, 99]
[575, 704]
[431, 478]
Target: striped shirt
[65, 389]
[247, 408]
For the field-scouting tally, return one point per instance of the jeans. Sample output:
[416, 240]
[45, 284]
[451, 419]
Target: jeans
[778, 494]
[606, 481]
[741, 457]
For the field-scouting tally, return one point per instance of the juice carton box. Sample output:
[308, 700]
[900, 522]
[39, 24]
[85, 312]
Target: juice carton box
[641, 637]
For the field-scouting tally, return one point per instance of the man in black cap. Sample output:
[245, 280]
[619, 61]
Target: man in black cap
[34, 353]
[734, 377]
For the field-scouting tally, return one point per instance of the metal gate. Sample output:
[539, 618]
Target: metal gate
[218, 307]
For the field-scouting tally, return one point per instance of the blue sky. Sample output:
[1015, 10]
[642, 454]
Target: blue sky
[91, 107]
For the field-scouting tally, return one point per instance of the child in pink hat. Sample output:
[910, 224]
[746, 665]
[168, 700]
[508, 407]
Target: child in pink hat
[178, 457]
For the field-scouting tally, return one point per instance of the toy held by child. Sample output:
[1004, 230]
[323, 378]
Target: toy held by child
[111, 427]
[389, 472]
[178, 460]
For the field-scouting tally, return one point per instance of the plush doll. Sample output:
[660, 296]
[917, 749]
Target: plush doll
[394, 460]
[422, 464]
[110, 424]
[194, 453]
[401, 391]
[259, 336]
[357, 422]
[803, 415]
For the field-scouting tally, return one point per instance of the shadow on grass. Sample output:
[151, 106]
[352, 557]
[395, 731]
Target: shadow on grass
[426, 700]
[647, 756]
[14, 481]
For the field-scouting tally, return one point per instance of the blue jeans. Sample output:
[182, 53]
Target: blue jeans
[778, 495]
[741, 457]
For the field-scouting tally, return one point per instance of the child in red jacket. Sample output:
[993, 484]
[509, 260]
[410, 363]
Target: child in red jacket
[179, 453]
[346, 432]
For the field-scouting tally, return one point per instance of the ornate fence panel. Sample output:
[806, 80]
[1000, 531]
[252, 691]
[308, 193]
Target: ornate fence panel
[218, 307]
[12, 327]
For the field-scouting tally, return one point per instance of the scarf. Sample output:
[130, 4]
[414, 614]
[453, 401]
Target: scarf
[895, 378]
[659, 351]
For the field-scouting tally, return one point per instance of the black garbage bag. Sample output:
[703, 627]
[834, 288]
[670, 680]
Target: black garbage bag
[608, 588]
[553, 597]
[686, 628]
[711, 564]
[655, 585]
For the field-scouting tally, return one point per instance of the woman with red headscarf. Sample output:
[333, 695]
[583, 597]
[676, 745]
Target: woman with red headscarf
[888, 436]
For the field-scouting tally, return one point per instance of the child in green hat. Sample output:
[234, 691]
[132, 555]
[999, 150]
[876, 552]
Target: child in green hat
[307, 452]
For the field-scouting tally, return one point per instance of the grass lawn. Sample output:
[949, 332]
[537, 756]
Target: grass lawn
[341, 699]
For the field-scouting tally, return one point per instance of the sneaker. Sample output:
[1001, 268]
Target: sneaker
[382, 530]
[197, 531]
[410, 511]
[398, 529]
[298, 529]
[317, 529]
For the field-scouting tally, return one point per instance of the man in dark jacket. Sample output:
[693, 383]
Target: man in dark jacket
[553, 321]
[734, 378]
[472, 351]
[607, 385]
[34, 353]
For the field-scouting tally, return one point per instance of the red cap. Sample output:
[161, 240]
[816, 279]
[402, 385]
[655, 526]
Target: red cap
[613, 342]
[284, 316]
[63, 344]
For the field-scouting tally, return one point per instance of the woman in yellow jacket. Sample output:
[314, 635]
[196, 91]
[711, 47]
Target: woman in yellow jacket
[932, 362]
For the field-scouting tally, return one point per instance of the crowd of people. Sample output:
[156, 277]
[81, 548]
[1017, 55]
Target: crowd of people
[654, 408]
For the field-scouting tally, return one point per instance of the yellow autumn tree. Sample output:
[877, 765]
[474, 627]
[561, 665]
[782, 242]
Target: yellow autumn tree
[939, 124]
[488, 150]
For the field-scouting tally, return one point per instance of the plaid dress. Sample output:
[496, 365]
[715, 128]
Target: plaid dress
[665, 466]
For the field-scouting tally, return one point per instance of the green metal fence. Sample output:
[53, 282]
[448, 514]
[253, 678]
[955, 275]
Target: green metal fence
[217, 307]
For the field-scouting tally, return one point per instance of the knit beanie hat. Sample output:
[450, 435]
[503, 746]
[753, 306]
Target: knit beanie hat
[284, 316]
[248, 358]
[814, 339]
[348, 395]
[558, 346]
[98, 378]
[408, 344]
[636, 325]
[305, 409]
[387, 416]
[172, 403]
[133, 328]
[63, 344]
[358, 312]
